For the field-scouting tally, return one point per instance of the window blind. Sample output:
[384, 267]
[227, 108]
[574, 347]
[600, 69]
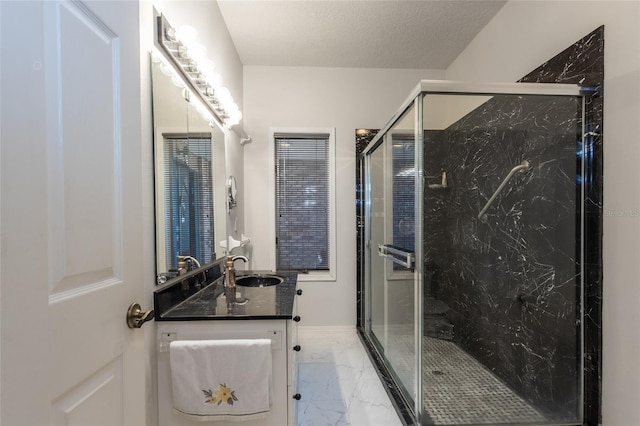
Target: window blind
[302, 201]
[404, 203]
[188, 197]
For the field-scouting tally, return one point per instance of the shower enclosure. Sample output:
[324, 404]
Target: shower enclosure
[472, 253]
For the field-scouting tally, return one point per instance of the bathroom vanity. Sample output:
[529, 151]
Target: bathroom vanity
[195, 308]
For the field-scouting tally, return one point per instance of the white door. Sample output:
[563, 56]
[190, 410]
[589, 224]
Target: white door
[70, 213]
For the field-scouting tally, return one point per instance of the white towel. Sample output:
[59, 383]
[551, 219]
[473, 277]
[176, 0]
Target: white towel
[221, 379]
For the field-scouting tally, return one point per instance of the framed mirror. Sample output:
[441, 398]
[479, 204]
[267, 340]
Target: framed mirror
[190, 178]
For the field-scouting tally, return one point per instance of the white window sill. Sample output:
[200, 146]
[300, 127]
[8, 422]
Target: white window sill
[316, 276]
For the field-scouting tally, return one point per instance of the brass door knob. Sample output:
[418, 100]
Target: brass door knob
[136, 316]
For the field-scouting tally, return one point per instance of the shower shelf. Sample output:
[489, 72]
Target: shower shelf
[441, 185]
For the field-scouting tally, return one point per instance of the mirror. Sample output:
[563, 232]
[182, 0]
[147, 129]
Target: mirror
[232, 190]
[190, 186]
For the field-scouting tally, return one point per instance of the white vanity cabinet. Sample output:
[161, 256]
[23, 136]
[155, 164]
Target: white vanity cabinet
[283, 338]
[185, 311]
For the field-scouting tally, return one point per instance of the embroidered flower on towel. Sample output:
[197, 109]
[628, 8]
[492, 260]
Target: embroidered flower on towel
[208, 397]
[223, 394]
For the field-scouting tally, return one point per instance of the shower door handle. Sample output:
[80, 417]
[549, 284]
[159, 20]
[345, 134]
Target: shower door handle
[396, 255]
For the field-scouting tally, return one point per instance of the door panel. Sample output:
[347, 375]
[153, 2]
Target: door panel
[390, 280]
[84, 154]
[376, 281]
[95, 401]
[71, 213]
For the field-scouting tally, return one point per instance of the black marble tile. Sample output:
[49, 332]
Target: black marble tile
[176, 290]
[181, 300]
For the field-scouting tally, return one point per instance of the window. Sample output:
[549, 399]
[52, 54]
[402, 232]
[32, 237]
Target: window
[304, 208]
[404, 203]
[188, 198]
[403, 187]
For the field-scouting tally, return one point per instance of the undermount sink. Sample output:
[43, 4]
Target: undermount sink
[258, 280]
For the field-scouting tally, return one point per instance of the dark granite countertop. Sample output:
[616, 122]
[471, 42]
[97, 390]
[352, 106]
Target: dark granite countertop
[182, 300]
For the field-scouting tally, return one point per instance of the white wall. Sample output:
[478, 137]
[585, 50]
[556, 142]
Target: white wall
[205, 17]
[342, 98]
[522, 36]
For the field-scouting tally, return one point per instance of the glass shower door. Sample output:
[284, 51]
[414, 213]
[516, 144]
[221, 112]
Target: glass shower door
[391, 235]
[474, 253]
[502, 250]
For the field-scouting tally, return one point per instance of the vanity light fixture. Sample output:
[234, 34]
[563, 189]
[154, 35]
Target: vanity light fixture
[189, 57]
[178, 80]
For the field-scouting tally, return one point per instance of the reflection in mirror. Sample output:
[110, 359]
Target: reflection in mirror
[232, 190]
[190, 179]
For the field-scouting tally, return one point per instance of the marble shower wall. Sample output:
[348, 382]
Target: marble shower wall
[512, 283]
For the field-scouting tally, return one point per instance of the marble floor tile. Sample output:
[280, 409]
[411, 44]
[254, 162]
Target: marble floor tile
[338, 383]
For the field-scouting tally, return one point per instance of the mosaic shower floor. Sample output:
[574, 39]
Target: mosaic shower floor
[458, 390]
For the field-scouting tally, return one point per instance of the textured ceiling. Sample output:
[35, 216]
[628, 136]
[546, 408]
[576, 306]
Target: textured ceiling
[355, 33]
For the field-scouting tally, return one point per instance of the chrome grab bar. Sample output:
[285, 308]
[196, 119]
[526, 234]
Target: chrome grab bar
[523, 167]
[399, 256]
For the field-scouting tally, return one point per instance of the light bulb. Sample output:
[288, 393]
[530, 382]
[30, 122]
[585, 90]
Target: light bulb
[235, 116]
[214, 79]
[224, 97]
[233, 108]
[197, 52]
[206, 66]
[186, 34]
[230, 122]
